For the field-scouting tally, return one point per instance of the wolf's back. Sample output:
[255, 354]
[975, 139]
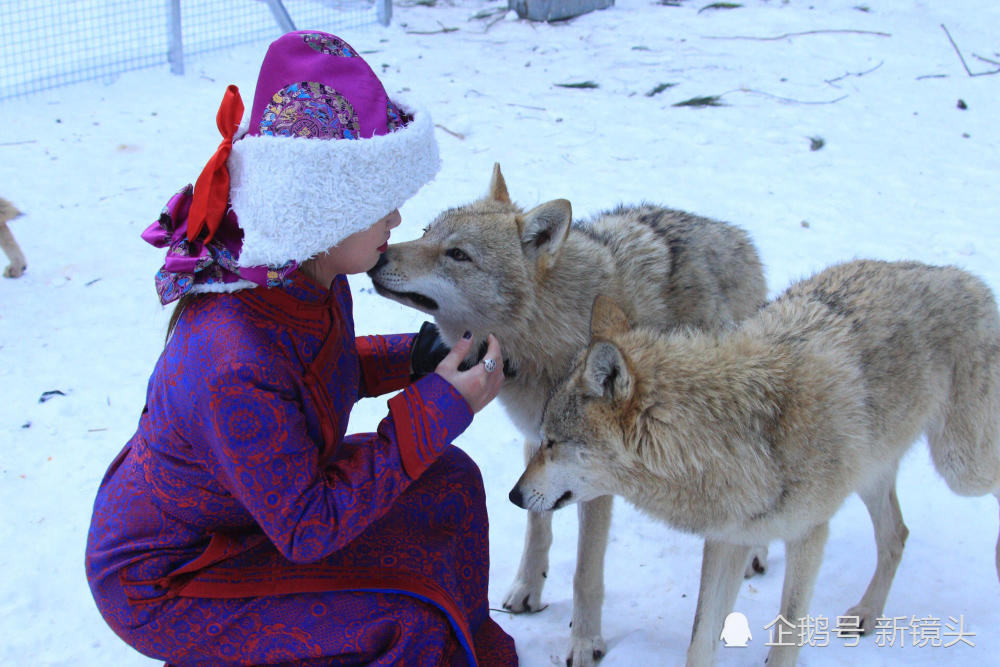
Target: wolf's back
[707, 273]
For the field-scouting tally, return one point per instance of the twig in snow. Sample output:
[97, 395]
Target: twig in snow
[720, 5]
[857, 74]
[495, 16]
[489, 13]
[788, 35]
[659, 89]
[46, 395]
[454, 134]
[494, 22]
[716, 100]
[432, 32]
[529, 612]
[789, 99]
[960, 57]
[704, 101]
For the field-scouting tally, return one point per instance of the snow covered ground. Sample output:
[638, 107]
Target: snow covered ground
[843, 131]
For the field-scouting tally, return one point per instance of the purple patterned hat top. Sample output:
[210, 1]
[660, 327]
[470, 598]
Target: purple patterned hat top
[314, 85]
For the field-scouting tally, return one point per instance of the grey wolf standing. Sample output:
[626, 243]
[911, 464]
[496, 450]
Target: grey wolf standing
[531, 278]
[9, 244]
[761, 432]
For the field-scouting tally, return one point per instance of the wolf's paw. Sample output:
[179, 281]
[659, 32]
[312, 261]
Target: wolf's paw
[858, 620]
[757, 563]
[586, 652]
[13, 271]
[524, 598]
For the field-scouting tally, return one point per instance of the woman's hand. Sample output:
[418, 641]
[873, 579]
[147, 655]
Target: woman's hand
[478, 386]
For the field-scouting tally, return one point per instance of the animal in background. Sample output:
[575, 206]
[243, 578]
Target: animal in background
[9, 244]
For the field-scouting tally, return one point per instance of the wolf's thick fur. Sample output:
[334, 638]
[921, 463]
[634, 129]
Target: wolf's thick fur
[9, 243]
[761, 432]
[531, 279]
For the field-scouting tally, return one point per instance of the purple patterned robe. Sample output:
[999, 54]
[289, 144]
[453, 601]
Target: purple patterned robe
[240, 526]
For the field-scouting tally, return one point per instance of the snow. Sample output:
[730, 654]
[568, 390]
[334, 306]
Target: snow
[903, 173]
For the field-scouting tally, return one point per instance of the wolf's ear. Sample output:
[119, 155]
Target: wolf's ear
[607, 319]
[498, 187]
[606, 372]
[544, 228]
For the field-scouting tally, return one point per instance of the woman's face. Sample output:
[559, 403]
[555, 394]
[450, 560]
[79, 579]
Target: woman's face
[355, 254]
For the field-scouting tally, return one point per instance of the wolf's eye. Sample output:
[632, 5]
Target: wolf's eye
[458, 255]
[550, 443]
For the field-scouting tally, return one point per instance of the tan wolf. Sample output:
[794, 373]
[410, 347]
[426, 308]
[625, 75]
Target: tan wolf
[761, 432]
[531, 278]
[9, 243]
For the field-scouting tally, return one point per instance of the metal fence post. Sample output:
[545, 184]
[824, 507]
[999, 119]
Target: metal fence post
[281, 15]
[383, 9]
[175, 42]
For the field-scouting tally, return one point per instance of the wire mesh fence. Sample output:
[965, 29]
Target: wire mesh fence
[50, 43]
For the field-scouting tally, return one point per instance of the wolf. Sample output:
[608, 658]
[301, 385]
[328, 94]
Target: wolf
[9, 244]
[760, 432]
[530, 278]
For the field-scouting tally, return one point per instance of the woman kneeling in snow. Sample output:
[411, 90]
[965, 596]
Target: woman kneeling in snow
[240, 525]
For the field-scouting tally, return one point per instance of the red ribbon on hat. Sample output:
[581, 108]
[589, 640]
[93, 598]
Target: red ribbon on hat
[211, 190]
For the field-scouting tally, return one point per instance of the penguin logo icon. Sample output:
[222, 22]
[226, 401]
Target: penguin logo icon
[736, 630]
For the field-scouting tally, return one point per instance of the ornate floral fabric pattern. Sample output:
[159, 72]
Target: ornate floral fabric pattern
[199, 266]
[329, 44]
[396, 118]
[241, 526]
[311, 110]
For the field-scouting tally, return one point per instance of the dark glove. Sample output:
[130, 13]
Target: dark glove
[428, 350]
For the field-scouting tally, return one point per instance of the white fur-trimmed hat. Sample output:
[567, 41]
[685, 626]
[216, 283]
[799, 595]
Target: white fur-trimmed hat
[324, 153]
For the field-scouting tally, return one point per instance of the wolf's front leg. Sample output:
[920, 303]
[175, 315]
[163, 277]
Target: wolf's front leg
[586, 641]
[722, 566]
[525, 594]
[802, 560]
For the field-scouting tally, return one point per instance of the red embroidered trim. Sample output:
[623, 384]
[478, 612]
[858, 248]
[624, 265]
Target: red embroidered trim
[379, 375]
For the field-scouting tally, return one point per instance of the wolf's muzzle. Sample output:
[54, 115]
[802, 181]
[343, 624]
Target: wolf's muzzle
[382, 261]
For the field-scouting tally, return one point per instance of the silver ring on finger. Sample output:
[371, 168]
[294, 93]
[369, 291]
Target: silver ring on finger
[489, 365]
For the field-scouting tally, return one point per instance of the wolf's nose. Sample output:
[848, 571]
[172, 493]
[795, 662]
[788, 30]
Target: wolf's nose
[516, 497]
[378, 265]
